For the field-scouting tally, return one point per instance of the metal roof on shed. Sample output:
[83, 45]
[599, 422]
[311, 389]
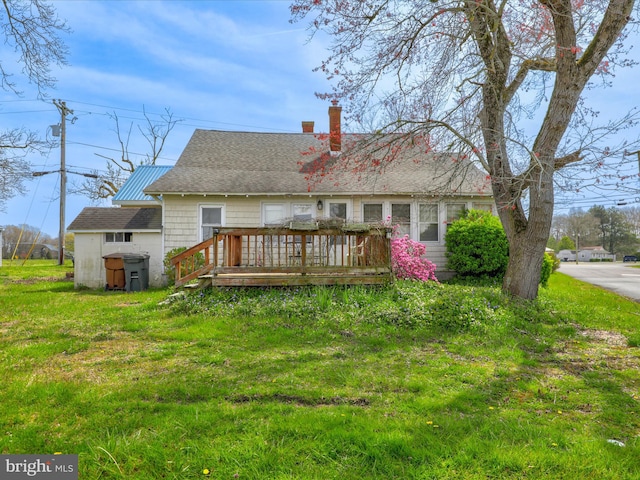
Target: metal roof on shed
[131, 193]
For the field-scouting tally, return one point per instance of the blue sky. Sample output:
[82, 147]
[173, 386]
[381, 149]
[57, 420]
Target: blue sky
[227, 65]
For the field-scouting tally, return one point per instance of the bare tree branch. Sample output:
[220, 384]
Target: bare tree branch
[32, 28]
[155, 133]
[566, 160]
[15, 145]
[463, 74]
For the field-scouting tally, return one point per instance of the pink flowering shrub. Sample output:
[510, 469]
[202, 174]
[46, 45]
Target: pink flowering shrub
[407, 260]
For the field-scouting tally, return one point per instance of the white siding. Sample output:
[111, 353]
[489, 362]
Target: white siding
[89, 268]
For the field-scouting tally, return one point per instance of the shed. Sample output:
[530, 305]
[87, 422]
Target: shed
[103, 231]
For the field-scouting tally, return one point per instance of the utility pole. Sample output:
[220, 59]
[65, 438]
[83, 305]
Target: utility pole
[64, 111]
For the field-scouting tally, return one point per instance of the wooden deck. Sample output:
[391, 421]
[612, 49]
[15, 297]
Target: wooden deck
[306, 255]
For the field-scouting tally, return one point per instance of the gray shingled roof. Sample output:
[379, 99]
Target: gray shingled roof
[104, 219]
[220, 162]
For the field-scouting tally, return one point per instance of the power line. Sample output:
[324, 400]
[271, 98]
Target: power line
[117, 150]
[561, 204]
[155, 114]
[25, 111]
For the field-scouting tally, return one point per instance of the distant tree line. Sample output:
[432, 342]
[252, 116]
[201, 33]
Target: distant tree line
[615, 229]
[18, 240]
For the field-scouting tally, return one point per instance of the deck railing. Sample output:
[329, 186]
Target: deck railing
[293, 256]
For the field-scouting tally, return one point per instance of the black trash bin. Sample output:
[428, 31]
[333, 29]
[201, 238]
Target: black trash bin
[136, 271]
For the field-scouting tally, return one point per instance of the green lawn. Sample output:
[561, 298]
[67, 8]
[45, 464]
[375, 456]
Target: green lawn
[410, 381]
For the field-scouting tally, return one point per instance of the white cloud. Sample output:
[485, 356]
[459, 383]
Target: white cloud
[229, 65]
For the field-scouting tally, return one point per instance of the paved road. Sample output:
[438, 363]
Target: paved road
[620, 278]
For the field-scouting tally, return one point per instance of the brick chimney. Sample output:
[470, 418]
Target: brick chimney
[307, 127]
[335, 137]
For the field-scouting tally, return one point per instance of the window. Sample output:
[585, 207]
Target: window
[302, 211]
[428, 222]
[372, 212]
[401, 216]
[118, 237]
[487, 207]
[210, 218]
[455, 211]
[338, 210]
[273, 213]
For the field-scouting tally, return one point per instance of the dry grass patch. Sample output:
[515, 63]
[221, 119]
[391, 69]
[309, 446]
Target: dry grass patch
[600, 347]
[121, 359]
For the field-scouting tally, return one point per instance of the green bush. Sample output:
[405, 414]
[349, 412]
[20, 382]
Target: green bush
[477, 245]
[565, 243]
[556, 262]
[170, 270]
[548, 264]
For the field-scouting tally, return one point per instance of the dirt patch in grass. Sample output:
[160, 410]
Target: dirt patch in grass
[107, 361]
[590, 351]
[300, 400]
[6, 327]
[127, 304]
[34, 280]
[604, 336]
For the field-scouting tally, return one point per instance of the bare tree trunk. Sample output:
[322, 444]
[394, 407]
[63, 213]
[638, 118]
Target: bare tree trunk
[522, 276]
[527, 245]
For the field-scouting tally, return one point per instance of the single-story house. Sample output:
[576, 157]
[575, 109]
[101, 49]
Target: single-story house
[567, 255]
[248, 179]
[595, 254]
[586, 254]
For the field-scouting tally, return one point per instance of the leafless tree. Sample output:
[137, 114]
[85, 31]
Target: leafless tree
[579, 224]
[155, 133]
[14, 235]
[470, 77]
[14, 145]
[31, 28]
[633, 217]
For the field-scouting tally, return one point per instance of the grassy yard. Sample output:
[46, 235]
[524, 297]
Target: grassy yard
[410, 382]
